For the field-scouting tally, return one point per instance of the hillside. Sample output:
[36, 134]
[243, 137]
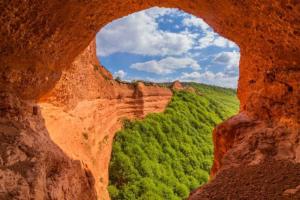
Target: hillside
[167, 155]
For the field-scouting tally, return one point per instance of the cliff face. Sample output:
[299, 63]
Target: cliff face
[40, 39]
[70, 132]
[89, 106]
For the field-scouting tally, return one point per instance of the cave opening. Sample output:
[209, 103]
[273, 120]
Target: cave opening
[60, 109]
[164, 45]
[161, 46]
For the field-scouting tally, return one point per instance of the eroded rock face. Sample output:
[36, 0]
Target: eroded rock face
[59, 147]
[40, 39]
[32, 166]
[89, 106]
[176, 85]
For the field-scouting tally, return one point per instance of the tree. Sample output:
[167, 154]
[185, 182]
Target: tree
[166, 155]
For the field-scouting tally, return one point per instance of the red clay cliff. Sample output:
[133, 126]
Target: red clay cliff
[49, 76]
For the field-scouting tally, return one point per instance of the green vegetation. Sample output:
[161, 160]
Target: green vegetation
[118, 79]
[97, 68]
[167, 155]
[147, 83]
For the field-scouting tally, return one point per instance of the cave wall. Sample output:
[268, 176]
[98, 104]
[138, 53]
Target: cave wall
[40, 40]
[44, 37]
[89, 106]
[71, 129]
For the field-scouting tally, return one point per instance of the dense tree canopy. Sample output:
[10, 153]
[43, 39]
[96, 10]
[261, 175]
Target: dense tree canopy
[167, 155]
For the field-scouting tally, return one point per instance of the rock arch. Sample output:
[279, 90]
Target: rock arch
[40, 39]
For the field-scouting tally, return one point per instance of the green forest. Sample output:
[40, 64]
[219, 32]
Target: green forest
[165, 156]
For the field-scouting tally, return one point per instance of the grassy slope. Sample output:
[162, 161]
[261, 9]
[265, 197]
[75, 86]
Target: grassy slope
[167, 155]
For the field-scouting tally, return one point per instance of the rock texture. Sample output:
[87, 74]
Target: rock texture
[40, 39]
[59, 146]
[89, 106]
[176, 85]
[271, 179]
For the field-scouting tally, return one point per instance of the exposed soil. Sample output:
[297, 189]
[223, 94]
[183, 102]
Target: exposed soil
[270, 180]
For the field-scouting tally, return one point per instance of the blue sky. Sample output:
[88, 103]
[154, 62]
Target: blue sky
[161, 44]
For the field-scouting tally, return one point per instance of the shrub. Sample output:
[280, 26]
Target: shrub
[181, 190]
[166, 155]
[113, 191]
[118, 79]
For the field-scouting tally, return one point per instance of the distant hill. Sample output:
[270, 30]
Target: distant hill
[167, 155]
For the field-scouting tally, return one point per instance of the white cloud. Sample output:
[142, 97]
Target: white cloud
[121, 74]
[152, 79]
[167, 65]
[190, 76]
[158, 12]
[208, 77]
[139, 33]
[206, 41]
[212, 39]
[220, 42]
[194, 21]
[230, 59]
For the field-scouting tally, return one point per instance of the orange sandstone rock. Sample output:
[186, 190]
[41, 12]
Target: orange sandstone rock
[42, 47]
[89, 106]
[176, 85]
